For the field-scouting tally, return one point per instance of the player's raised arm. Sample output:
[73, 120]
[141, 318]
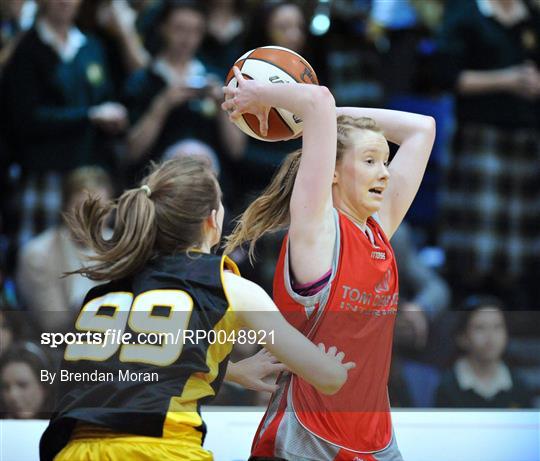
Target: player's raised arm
[323, 369]
[415, 135]
[311, 196]
[309, 175]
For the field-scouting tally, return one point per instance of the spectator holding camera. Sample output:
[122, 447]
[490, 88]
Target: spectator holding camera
[57, 101]
[480, 378]
[175, 98]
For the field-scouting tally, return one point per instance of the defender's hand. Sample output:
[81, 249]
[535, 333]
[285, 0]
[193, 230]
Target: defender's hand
[250, 372]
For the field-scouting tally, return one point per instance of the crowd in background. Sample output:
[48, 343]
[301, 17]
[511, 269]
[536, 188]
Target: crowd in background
[93, 90]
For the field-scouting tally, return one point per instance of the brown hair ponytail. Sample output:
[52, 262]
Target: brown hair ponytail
[164, 215]
[270, 211]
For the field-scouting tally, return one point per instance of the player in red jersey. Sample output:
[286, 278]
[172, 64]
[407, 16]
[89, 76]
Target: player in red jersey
[336, 279]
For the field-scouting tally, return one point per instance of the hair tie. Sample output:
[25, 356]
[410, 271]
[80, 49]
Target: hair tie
[147, 190]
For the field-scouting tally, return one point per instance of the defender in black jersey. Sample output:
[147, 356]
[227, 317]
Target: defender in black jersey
[183, 291]
[137, 399]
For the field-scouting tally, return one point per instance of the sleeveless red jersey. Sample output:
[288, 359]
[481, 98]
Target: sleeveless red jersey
[357, 315]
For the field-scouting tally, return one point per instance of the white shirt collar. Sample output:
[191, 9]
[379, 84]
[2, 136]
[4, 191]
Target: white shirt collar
[171, 76]
[66, 50]
[466, 378]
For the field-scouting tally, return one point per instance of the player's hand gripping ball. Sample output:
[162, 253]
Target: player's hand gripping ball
[275, 65]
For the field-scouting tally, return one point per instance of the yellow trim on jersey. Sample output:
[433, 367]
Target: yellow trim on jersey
[231, 265]
[183, 409]
[227, 263]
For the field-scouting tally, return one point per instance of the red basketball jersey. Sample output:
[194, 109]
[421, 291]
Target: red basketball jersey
[356, 315]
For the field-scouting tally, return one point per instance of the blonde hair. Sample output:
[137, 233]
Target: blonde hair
[169, 219]
[270, 211]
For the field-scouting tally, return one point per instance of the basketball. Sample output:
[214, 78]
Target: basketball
[272, 64]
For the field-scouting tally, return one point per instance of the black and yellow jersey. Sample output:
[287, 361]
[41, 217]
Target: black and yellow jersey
[159, 363]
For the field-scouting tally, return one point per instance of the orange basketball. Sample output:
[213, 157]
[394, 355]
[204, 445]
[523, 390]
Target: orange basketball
[272, 64]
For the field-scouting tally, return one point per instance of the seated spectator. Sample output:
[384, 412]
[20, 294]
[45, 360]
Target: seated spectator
[54, 299]
[175, 97]
[423, 293]
[57, 104]
[480, 378]
[23, 394]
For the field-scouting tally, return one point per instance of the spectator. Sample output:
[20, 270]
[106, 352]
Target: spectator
[489, 55]
[423, 293]
[54, 299]
[147, 13]
[175, 98]
[225, 38]
[16, 16]
[24, 396]
[114, 23]
[194, 148]
[284, 23]
[57, 103]
[480, 378]
[423, 296]
[401, 31]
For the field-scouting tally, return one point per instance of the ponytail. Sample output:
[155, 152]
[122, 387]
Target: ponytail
[164, 216]
[133, 237]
